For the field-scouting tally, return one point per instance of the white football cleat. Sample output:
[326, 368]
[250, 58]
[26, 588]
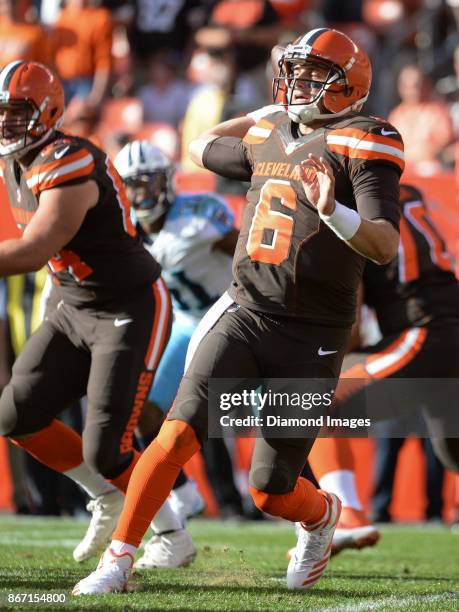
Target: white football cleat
[186, 501]
[354, 530]
[175, 549]
[313, 549]
[354, 537]
[111, 576]
[105, 510]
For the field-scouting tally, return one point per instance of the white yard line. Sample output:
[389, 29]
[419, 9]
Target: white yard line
[8, 540]
[393, 602]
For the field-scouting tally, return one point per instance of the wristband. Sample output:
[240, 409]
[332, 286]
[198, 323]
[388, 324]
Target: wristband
[343, 221]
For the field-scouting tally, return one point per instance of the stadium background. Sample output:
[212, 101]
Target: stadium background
[196, 57]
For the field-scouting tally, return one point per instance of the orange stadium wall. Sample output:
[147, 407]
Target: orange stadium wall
[409, 496]
[6, 490]
[8, 229]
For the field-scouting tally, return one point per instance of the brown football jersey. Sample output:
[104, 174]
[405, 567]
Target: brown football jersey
[418, 286]
[106, 257]
[287, 261]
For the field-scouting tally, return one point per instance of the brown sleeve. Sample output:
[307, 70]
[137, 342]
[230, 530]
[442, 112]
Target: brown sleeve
[376, 191]
[228, 157]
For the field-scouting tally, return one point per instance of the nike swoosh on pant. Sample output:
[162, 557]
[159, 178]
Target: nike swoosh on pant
[119, 322]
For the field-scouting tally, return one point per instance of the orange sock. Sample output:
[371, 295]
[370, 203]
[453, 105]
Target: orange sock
[304, 504]
[330, 454]
[57, 446]
[153, 478]
[122, 480]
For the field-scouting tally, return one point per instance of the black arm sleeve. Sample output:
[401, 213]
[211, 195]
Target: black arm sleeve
[377, 191]
[228, 157]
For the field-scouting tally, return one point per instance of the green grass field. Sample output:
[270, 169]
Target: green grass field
[238, 568]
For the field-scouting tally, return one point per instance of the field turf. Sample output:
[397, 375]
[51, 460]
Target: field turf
[239, 567]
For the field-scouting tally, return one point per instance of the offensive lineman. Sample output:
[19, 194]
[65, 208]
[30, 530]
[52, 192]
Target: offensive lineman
[107, 336]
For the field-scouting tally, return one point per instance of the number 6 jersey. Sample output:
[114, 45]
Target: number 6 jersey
[287, 261]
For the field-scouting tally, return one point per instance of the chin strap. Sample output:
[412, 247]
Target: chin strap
[295, 111]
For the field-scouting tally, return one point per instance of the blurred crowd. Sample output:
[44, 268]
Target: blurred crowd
[140, 66]
[166, 70]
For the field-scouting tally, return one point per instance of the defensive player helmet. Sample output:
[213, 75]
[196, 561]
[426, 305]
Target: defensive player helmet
[148, 175]
[344, 88]
[31, 106]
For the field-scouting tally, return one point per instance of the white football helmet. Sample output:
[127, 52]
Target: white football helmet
[148, 175]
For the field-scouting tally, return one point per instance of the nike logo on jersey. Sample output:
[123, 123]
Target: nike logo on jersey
[120, 322]
[385, 132]
[321, 352]
[293, 146]
[59, 154]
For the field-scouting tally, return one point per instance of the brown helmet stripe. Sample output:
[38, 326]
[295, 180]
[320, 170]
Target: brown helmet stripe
[7, 74]
[310, 37]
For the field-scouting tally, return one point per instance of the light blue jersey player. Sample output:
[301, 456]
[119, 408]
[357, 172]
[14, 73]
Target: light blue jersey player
[192, 236]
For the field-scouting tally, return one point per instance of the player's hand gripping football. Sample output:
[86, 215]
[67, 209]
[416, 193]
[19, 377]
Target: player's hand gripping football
[319, 183]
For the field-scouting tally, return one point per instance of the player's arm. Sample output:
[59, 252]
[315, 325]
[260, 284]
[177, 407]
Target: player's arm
[227, 156]
[56, 221]
[233, 128]
[376, 239]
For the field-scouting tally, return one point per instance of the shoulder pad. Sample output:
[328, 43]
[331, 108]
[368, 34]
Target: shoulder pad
[63, 160]
[366, 138]
[265, 111]
[261, 131]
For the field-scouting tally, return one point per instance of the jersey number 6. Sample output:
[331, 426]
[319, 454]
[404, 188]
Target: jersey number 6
[271, 231]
